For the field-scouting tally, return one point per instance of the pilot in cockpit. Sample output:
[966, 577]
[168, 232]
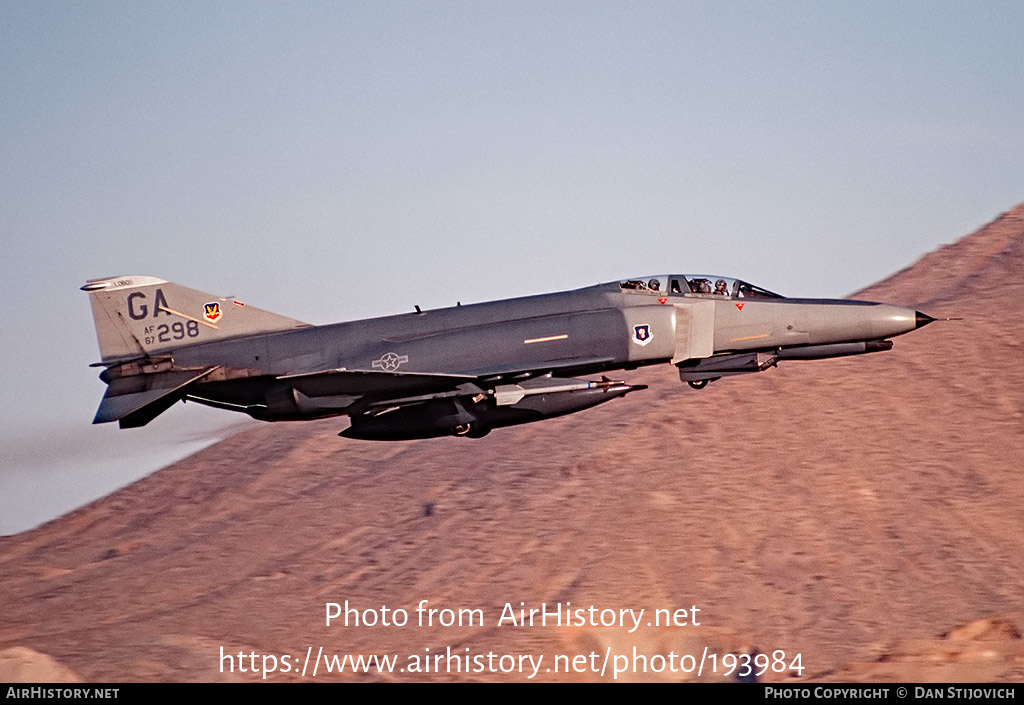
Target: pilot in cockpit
[700, 286]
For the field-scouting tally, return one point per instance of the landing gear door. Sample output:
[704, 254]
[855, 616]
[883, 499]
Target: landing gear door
[695, 331]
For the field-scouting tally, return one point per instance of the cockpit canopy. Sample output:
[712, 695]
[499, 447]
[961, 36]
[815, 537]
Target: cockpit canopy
[703, 285]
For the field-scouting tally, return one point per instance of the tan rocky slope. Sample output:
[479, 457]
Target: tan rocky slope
[852, 511]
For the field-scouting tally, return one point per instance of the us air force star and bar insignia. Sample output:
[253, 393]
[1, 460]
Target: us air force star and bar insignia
[211, 311]
[642, 334]
[389, 362]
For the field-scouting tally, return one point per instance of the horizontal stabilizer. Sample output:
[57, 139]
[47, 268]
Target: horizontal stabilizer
[135, 401]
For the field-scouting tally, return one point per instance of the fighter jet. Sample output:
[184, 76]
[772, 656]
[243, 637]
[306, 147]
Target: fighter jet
[464, 370]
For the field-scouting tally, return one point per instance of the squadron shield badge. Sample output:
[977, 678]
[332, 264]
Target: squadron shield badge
[642, 334]
[211, 311]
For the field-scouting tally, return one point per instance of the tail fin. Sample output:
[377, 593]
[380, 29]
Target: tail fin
[138, 316]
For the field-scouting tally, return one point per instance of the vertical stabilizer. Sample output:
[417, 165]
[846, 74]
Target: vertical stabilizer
[140, 316]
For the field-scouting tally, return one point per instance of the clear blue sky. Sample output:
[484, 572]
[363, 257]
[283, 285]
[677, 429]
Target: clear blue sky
[338, 160]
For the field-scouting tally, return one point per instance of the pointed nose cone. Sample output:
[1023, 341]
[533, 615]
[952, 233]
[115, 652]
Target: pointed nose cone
[923, 319]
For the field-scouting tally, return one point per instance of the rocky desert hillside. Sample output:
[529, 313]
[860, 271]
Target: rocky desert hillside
[864, 513]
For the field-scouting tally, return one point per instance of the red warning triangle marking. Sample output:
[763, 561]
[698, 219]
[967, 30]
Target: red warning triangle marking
[662, 299]
[739, 306]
